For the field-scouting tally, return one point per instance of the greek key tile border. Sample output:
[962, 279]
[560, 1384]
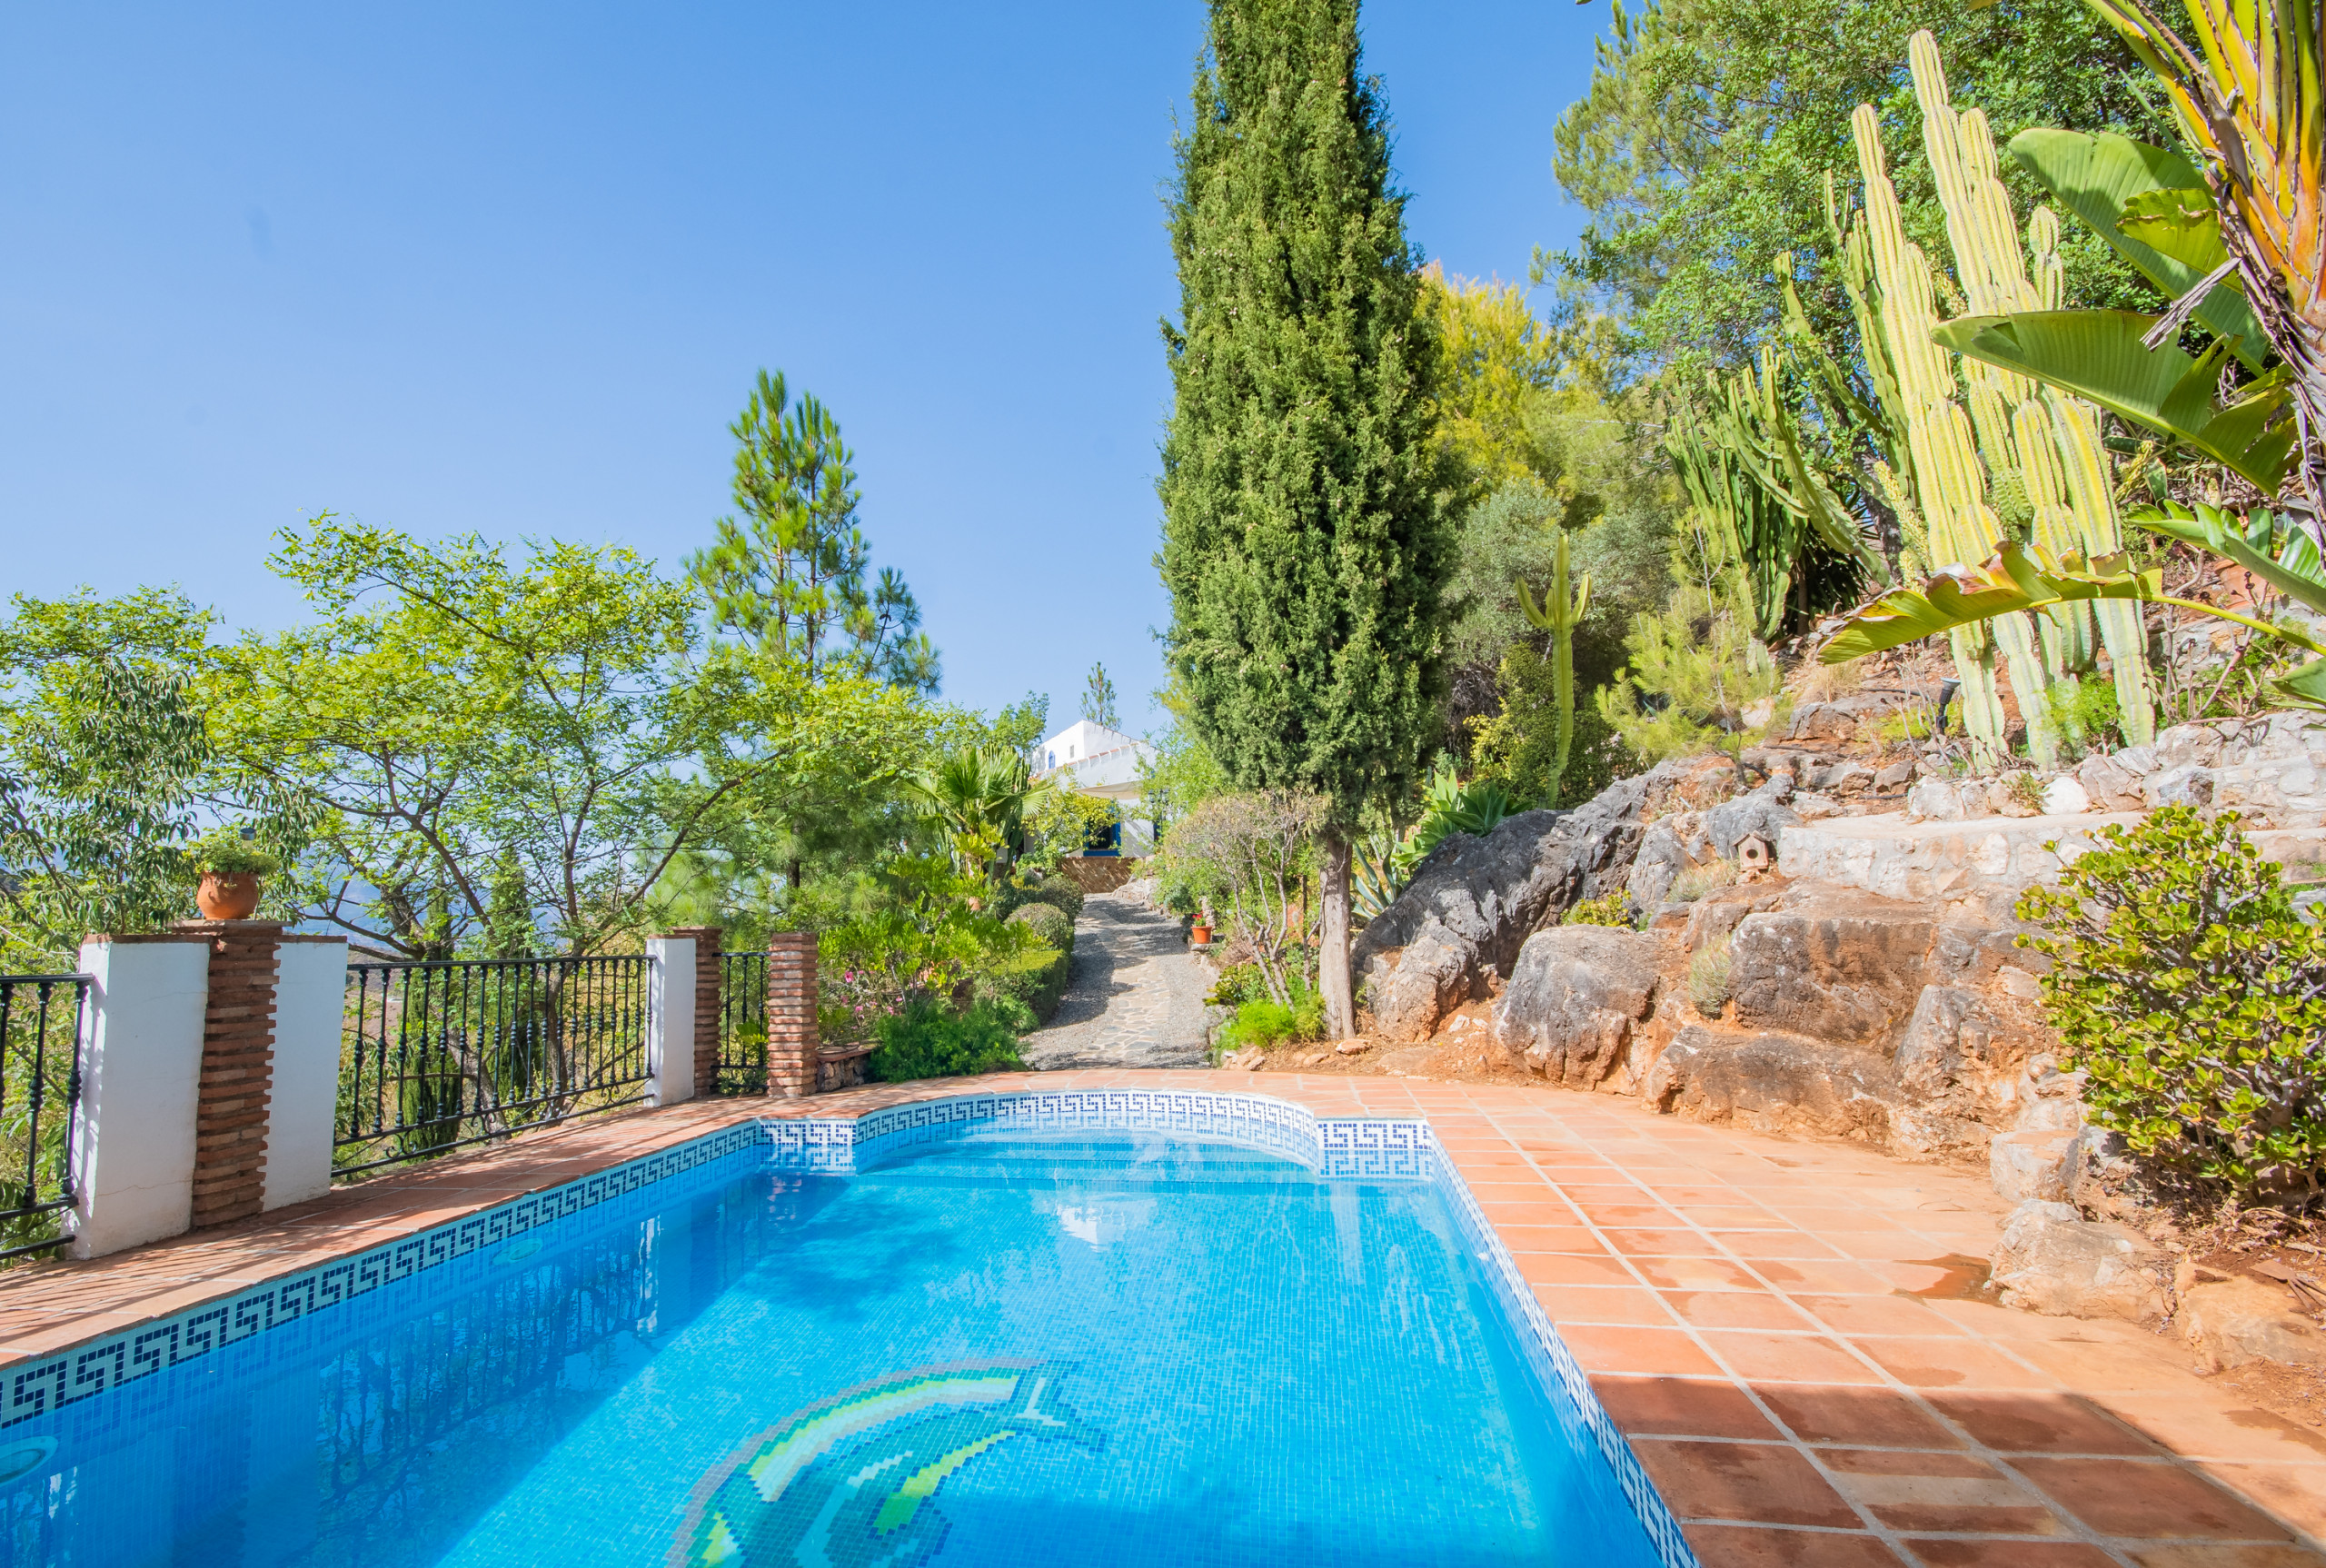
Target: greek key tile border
[1541, 1338]
[47, 1384]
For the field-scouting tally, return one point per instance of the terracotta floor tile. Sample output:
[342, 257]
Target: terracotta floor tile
[2203, 1428]
[1682, 1407]
[1959, 1553]
[1536, 1212]
[1541, 1268]
[1815, 1277]
[2039, 1424]
[1736, 1309]
[1764, 1482]
[1858, 1416]
[1788, 1244]
[1763, 1357]
[2146, 1498]
[2294, 1492]
[1638, 1243]
[1951, 1363]
[1747, 1546]
[1732, 1215]
[1635, 1213]
[2103, 1366]
[1525, 1238]
[1665, 1351]
[1682, 1194]
[1604, 1304]
[1952, 1492]
[1697, 1273]
[1894, 1314]
[2210, 1554]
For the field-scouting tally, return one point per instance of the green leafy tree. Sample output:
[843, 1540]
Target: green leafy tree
[1022, 725]
[466, 737]
[103, 751]
[1305, 544]
[1099, 698]
[789, 577]
[1701, 148]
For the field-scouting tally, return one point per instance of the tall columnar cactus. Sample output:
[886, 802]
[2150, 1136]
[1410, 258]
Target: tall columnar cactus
[1983, 437]
[1559, 614]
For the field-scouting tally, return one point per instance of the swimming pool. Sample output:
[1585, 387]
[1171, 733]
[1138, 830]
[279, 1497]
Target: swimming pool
[1058, 1329]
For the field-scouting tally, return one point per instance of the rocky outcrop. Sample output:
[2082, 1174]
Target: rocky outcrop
[1772, 1083]
[1684, 840]
[1454, 933]
[2052, 1261]
[1831, 963]
[1574, 999]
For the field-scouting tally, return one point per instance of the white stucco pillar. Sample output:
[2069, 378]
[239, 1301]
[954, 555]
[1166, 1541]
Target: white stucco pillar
[669, 1020]
[302, 1106]
[140, 1075]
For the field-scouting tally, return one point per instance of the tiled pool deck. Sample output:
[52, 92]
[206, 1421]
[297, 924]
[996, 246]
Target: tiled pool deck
[1769, 1322]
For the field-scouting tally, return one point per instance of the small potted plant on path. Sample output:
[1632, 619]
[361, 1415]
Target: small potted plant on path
[230, 864]
[1201, 935]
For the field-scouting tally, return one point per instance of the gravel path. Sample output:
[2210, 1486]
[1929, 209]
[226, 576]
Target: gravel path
[1135, 998]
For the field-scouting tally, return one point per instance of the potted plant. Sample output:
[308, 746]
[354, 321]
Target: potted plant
[230, 863]
[1201, 935]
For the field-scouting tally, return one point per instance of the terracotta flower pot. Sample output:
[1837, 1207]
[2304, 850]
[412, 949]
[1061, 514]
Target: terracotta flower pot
[228, 895]
[1200, 936]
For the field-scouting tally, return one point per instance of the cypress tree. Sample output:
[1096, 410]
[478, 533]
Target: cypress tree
[1305, 543]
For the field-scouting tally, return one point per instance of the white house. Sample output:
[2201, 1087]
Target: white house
[1091, 760]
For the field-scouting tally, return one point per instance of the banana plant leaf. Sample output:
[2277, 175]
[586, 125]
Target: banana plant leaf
[2098, 355]
[2290, 564]
[2098, 177]
[1960, 596]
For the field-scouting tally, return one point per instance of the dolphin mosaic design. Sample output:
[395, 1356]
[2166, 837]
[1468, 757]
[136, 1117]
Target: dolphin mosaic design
[849, 1483]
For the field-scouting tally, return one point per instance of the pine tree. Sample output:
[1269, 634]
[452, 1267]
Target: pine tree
[1099, 698]
[1305, 545]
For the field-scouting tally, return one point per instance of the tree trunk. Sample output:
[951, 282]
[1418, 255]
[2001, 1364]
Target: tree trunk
[1332, 963]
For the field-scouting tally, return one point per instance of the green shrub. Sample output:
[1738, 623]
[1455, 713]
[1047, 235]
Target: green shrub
[927, 1040]
[1237, 984]
[1055, 891]
[1049, 922]
[1261, 1022]
[1697, 880]
[1034, 981]
[2193, 997]
[1708, 979]
[1609, 909]
[224, 851]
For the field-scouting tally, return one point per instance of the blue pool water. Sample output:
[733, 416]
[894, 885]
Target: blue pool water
[1002, 1347]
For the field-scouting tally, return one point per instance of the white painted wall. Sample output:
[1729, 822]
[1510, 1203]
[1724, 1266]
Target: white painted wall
[310, 1005]
[141, 1071]
[669, 1020]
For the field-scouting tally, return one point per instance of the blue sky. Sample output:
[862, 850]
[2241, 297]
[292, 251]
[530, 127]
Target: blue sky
[511, 268]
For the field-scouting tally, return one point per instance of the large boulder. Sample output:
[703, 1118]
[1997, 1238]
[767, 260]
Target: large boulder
[1574, 998]
[1453, 935]
[2051, 1260]
[2232, 1322]
[1773, 1082]
[1834, 962]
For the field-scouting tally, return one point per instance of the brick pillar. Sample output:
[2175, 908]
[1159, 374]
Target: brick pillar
[706, 997]
[237, 1068]
[792, 1059]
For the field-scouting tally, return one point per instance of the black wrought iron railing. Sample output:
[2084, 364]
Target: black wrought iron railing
[435, 1057]
[742, 1024]
[40, 1099]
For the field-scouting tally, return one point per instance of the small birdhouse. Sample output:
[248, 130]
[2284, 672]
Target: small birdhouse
[1754, 855]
